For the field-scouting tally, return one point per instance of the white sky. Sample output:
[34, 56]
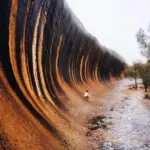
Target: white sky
[114, 22]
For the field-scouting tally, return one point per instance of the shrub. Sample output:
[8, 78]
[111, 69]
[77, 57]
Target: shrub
[147, 96]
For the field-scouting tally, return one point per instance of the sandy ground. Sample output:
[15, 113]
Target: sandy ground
[19, 130]
[91, 123]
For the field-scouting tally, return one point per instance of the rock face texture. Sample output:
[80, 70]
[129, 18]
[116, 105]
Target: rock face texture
[45, 51]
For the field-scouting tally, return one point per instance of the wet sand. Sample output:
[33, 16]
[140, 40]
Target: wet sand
[127, 117]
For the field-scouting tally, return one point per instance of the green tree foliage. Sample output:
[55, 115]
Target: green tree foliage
[139, 70]
[132, 72]
[143, 38]
[144, 73]
[143, 70]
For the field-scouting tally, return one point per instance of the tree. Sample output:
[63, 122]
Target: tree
[132, 72]
[143, 38]
[144, 73]
[139, 70]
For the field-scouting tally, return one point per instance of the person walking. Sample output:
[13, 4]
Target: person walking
[86, 95]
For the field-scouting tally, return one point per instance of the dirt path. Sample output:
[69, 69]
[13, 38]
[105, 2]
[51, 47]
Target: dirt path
[126, 120]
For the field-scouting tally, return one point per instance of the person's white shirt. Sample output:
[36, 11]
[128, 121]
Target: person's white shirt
[86, 94]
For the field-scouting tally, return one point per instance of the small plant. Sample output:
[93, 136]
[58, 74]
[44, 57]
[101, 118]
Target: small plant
[147, 96]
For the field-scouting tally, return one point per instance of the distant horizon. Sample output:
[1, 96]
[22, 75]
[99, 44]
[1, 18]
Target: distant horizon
[114, 23]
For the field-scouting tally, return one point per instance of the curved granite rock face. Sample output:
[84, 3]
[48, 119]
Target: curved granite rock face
[45, 50]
